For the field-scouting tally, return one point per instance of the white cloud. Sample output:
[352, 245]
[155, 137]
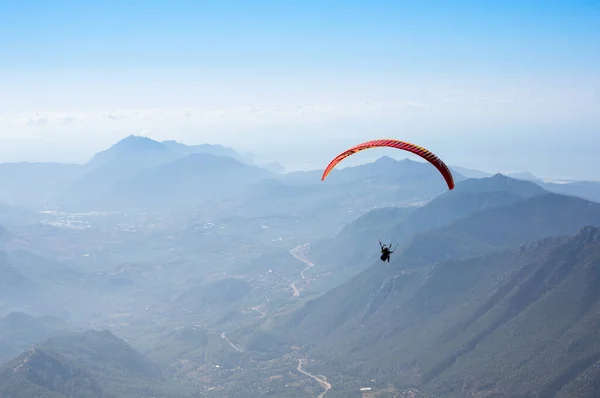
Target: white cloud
[298, 127]
[38, 120]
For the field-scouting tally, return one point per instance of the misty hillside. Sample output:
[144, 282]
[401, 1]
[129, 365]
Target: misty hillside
[146, 152]
[486, 319]
[503, 227]
[46, 374]
[100, 184]
[211, 149]
[589, 190]
[384, 183]
[97, 349]
[19, 331]
[79, 186]
[351, 245]
[412, 176]
[245, 282]
[330, 318]
[131, 152]
[89, 364]
[194, 249]
[469, 196]
[186, 181]
[122, 160]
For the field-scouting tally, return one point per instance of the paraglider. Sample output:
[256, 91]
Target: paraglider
[407, 146]
[386, 251]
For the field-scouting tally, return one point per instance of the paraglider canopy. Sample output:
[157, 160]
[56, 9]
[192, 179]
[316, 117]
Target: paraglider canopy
[407, 146]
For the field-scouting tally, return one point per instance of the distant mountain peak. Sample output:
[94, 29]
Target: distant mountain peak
[500, 182]
[127, 151]
[386, 160]
[137, 142]
[104, 334]
[516, 176]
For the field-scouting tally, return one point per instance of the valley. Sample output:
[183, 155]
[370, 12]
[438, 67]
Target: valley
[277, 289]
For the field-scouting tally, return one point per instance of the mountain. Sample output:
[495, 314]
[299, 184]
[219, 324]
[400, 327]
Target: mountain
[211, 149]
[502, 227]
[385, 170]
[519, 322]
[124, 160]
[383, 183]
[186, 181]
[136, 151]
[45, 374]
[89, 364]
[589, 190]
[98, 349]
[19, 331]
[343, 313]
[547, 308]
[468, 196]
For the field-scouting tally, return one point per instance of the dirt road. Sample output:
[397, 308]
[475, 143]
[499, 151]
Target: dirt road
[322, 382]
[299, 253]
[224, 337]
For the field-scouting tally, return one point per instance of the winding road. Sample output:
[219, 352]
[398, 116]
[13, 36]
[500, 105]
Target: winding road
[298, 253]
[224, 337]
[323, 382]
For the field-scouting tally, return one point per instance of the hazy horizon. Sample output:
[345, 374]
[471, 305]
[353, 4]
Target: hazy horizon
[496, 87]
[183, 271]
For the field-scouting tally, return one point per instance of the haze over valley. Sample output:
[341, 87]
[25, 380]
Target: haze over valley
[170, 227]
[204, 274]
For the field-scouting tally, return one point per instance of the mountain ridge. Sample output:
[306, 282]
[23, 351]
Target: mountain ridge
[436, 331]
[469, 196]
[86, 364]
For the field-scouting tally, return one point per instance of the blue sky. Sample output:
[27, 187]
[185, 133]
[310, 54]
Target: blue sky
[498, 85]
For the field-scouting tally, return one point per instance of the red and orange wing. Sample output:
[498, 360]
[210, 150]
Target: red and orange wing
[407, 146]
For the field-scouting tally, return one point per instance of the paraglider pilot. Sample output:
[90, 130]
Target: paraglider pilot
[385, 252]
